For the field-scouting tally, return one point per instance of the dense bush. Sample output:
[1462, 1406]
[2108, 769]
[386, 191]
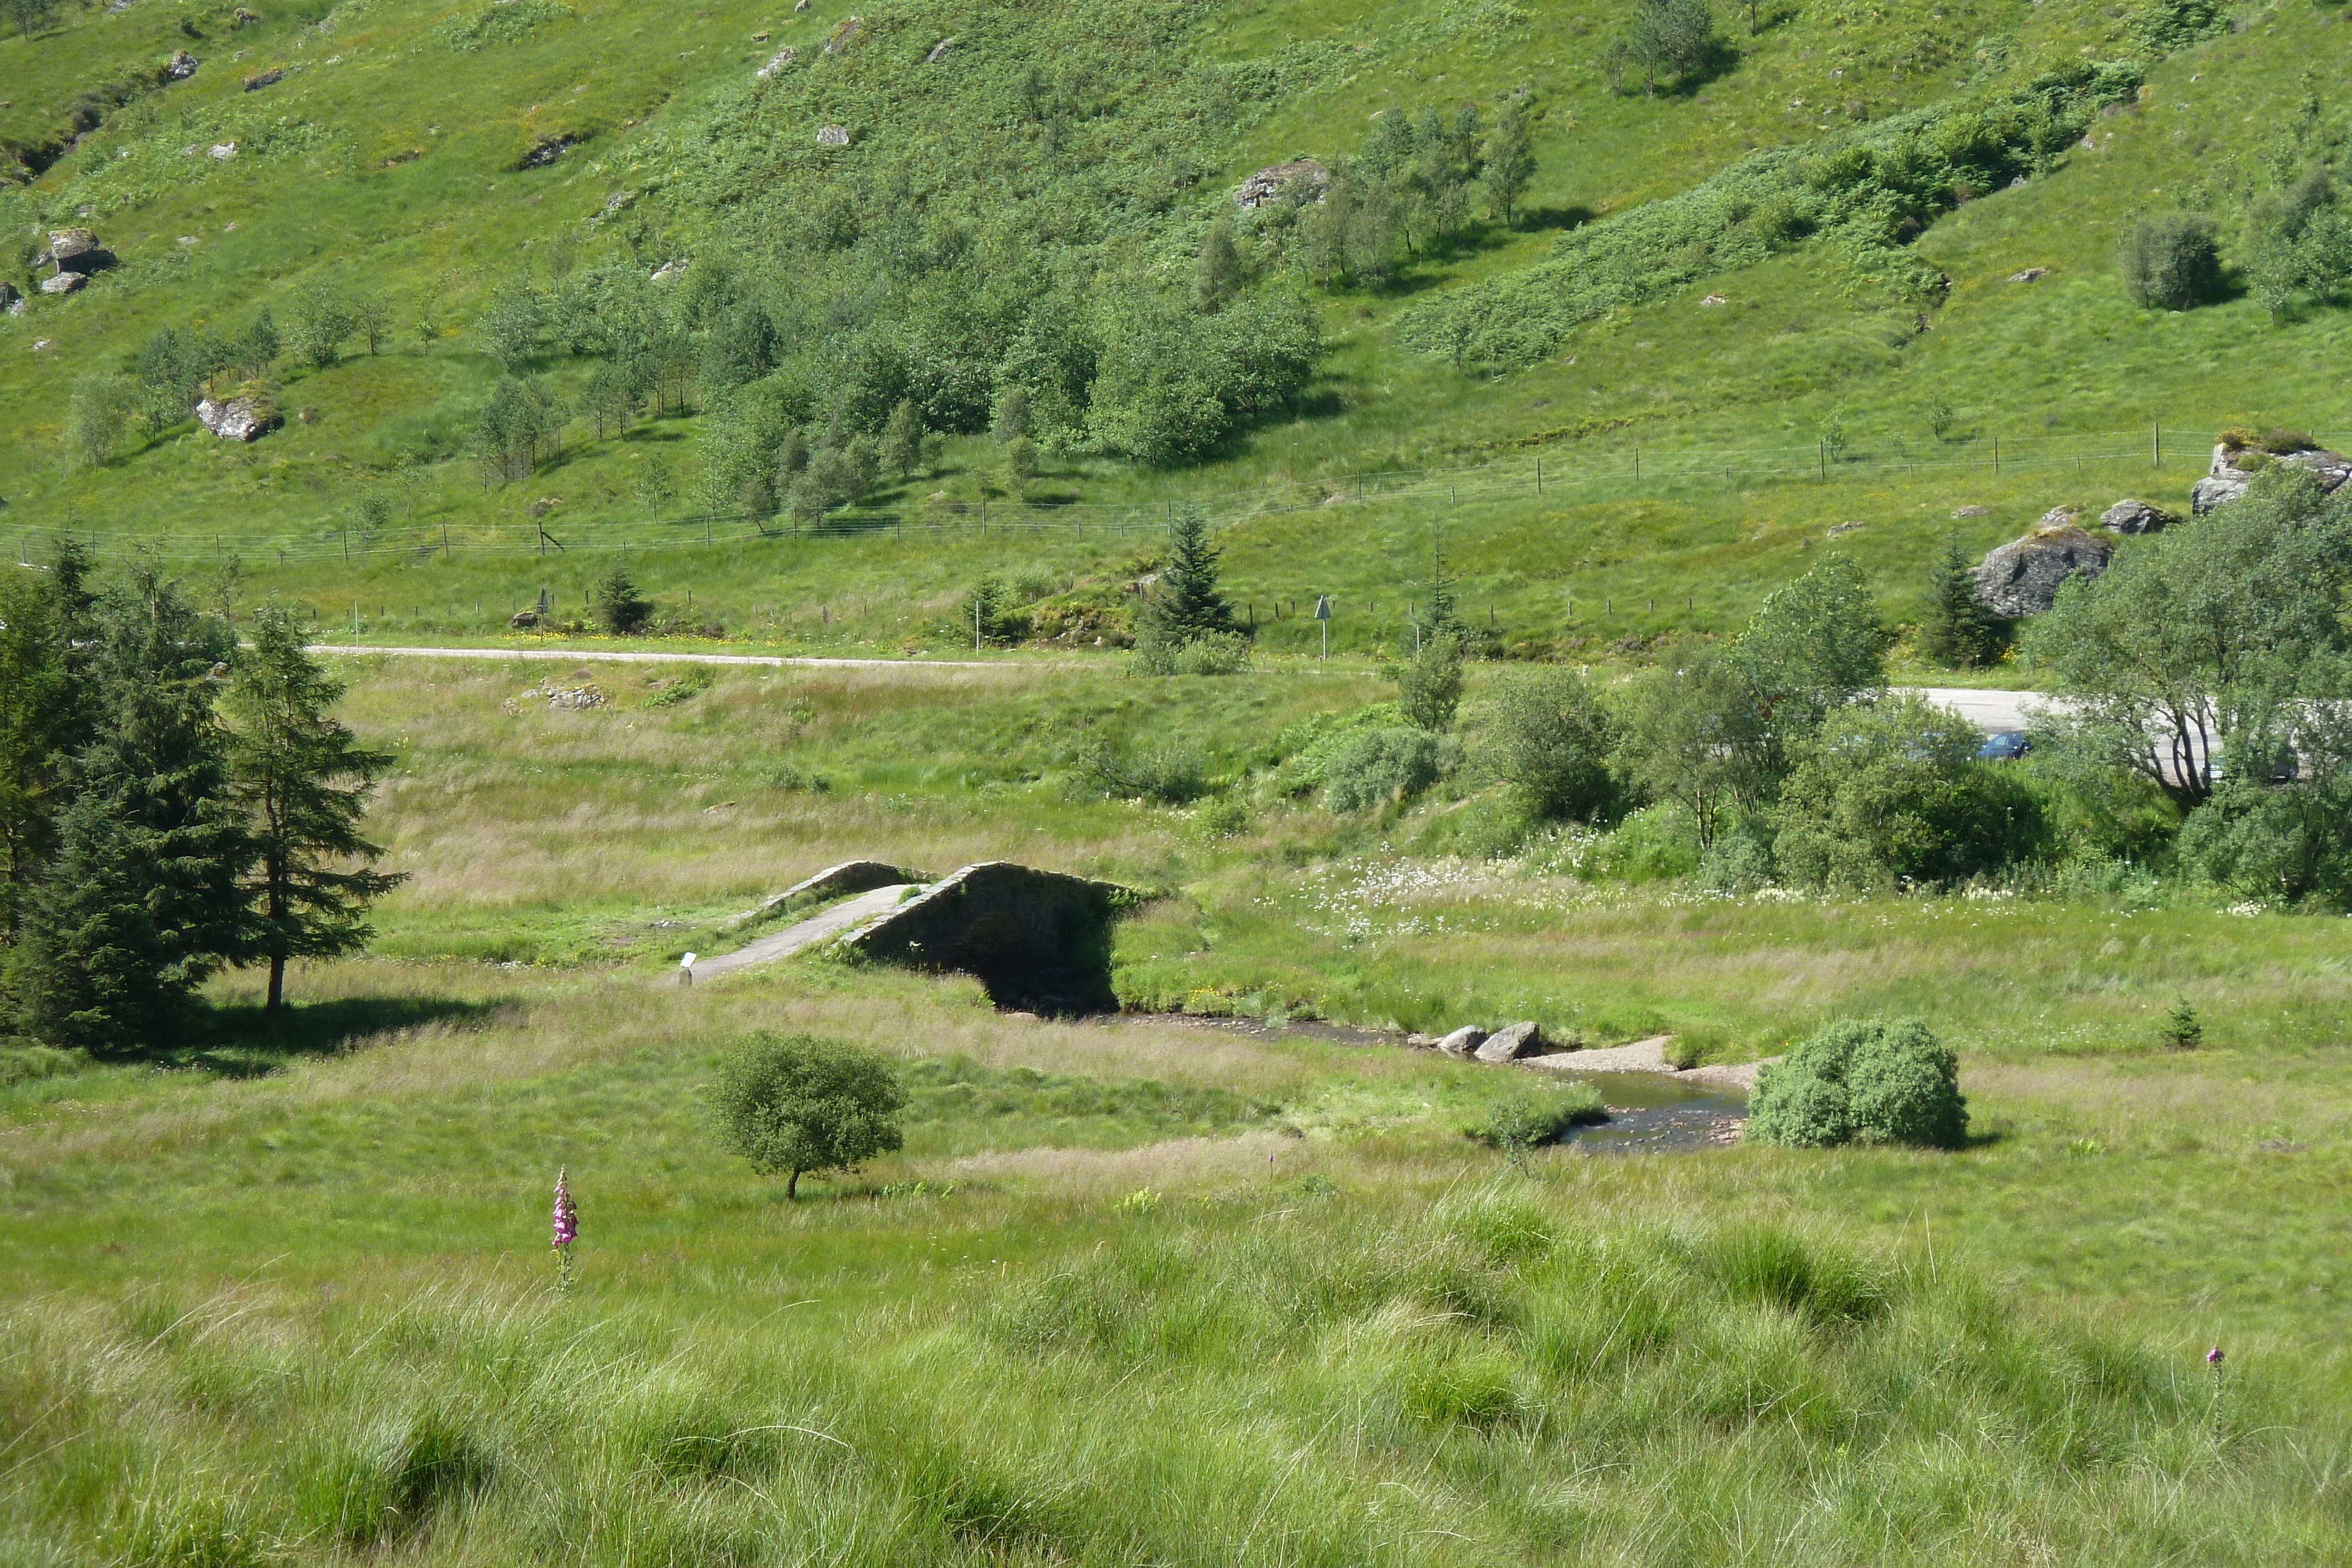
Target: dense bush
[2171, 261]
[1373, 766]
[1547, 738]
[801, 1104]
[1862, 1081]
[2290, 843]
[1429, 689]
[1892, 791]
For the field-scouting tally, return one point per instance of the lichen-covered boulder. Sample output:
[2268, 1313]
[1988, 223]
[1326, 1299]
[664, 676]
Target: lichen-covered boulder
[2021, 578]
[2133, 515]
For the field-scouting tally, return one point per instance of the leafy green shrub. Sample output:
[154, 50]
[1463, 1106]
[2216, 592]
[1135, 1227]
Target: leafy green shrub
[800, 1104]
[1862, 1080]
[1306, 747]
[2262, 841]
[1737, 863]
[2171, 261]
[1548, 739]
[1429, 689]
[1657, 844]
[1531, 1117]
[1222, 819]
[1375, 766]
[1892, 791]
[2160, 26]
[1209, 654]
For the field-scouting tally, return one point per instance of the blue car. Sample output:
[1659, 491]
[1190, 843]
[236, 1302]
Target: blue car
[2007, 746]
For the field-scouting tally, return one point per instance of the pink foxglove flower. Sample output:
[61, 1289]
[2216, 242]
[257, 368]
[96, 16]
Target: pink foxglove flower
[567, 1230]
[2213, 1356]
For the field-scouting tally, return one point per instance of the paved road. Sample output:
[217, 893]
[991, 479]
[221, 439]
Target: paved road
[1988, 710]
[808, 932]
[621, 656]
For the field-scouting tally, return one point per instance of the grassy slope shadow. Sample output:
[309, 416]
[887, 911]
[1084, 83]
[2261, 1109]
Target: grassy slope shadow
[245, 1040]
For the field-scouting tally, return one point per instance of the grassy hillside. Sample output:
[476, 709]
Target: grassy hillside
[1065, 160]
[1151, 1288]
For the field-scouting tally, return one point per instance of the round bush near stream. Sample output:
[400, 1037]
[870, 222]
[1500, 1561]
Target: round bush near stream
[1864, 1081]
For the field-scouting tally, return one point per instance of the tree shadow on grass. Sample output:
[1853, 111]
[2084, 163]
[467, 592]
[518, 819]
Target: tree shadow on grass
[245, 1040]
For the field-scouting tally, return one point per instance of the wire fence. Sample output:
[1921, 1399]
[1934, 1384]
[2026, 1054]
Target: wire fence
[1627, 471]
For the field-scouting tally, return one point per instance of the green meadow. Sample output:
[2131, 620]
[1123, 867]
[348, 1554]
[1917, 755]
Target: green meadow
[1222, 1276]
[1193, 1283]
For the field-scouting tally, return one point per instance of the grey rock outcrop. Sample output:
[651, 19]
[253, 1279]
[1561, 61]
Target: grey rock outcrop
[182, 65]
[2021, 578]
[232, 419]
[940, 51]
[670, 269]
[2225, 480]
[1463, 1042]
[70, 244]
[1302, 176]
[2057, 517]
[833, 136]
[9, 297]
[1973, 512]
[781, 58]
[63, 283]
[1510, 1044]
[2132, 515]
[270, 78]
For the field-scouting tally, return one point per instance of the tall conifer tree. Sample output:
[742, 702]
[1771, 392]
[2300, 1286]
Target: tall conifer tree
[303, 780]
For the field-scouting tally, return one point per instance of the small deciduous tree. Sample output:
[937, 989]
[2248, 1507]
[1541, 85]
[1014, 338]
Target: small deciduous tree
[317, 326]
[509, 329]
[1890, 791]
[303, 780]
[1549, 738]
[256, 347]
[607, 400]
[169, 370]
[372, 319]
[1510, 162]
[1691, 730]
[97, 413]
[902, 440]
[1217, 269]
[1012, 415]
[31, 15]
[1814, 646]
[799, 1104]
[2171, 261]
[1429, 689]
[2197, 640]
[1020, 462]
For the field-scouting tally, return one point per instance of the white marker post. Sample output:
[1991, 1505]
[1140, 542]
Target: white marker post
[1323, 613]
[686, 966]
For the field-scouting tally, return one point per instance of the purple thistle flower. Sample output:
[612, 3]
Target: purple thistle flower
[567, 1217]
[2213, 1356]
